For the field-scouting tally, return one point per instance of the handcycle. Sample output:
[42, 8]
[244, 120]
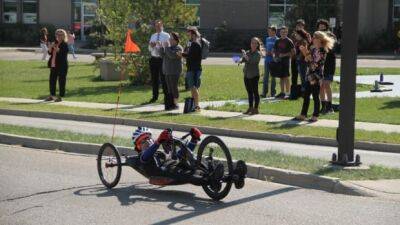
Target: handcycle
[211, 152]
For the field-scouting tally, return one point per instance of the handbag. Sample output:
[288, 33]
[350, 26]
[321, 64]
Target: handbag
[189, 105]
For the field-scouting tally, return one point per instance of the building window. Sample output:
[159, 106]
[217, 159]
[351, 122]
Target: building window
[396, 11]
[277, 11]
[29, 11]
[83, 17]
[196, 4]
[10, 10]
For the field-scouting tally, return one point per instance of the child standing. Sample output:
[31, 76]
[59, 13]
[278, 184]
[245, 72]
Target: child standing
[322, 43]
[251, 71]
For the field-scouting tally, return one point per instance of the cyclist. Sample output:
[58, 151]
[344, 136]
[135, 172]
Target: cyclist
[164, 168]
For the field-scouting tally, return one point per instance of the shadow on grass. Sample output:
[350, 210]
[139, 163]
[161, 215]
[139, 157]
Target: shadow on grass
[391, 104]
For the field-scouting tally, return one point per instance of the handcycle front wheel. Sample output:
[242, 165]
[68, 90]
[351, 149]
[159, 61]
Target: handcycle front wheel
[213, 151]
[109, 165]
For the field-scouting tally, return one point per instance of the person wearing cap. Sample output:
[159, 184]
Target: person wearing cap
[155, 44]
[329, 70]
[193, 55]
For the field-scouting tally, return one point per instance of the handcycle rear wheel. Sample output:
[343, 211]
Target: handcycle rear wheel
[109, 165]
[213, 150]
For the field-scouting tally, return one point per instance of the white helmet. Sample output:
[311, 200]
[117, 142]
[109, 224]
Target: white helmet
[139, 131]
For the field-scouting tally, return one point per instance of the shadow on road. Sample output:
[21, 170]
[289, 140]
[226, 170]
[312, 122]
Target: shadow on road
[177, 200]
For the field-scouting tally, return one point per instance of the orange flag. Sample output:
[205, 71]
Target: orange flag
[130, 46]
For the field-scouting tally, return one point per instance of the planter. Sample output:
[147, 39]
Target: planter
[108, 71]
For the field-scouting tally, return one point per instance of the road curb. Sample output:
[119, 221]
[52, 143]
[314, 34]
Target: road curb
[254, 171]
[369, 146]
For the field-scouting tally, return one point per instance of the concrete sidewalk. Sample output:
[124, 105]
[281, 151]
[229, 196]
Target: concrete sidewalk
[280, 120]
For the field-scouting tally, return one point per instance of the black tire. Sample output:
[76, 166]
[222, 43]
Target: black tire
[109, 154]
[215, 142]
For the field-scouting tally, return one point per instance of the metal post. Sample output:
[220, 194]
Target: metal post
[348, 85]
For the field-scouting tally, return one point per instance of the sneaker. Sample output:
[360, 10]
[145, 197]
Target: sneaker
[248, 111]
[58, 99]
[152, 100]
[254, 111]
[48, 99]
[280, 95]
[263, 96]
[197, 109]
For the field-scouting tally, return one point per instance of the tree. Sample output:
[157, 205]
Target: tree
[118, 15]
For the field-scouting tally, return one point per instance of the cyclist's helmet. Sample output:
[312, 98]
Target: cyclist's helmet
[141, 134]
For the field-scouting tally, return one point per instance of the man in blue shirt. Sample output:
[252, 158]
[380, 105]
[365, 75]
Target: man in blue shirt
[269, 45]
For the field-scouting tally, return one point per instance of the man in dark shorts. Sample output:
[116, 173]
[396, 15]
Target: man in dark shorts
[283, 50]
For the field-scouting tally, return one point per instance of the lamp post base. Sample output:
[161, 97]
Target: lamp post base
[344, 161]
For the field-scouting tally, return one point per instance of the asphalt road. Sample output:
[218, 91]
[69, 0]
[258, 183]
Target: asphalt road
[48, 187]
[314, 151]
[16, 55]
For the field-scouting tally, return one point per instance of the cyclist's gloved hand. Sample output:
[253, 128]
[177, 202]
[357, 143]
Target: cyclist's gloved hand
[195, 133]
[164, 137]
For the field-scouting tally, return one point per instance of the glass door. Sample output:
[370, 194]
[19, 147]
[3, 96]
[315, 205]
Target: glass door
[84, 14]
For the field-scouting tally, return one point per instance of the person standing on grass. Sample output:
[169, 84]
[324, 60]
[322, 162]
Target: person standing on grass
[315, 57]
[193, 55]
[297, 69]
[71, 43]
[155, 44]
[269, 45]
[301, 37]
[329, 71]
[172, 66]
[284, 49]
[44, 42]
[58, 64]
[251, 71]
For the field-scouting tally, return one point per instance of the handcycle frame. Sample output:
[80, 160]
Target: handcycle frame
[203, 163]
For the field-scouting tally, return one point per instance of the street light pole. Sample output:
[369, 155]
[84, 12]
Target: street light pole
[348, 67]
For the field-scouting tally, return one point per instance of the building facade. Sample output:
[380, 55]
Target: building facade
[374, 16]
[78, 15]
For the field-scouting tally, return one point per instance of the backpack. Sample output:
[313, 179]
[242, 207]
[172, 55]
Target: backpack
[189, 105]
[205, 48]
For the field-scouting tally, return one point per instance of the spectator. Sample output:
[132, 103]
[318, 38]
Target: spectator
[172, 66]
[301, 37]
[44, 42]
[71, 43]
[295, 67]
[329, 71]
[193, 55]
[251, 71]
[284, 49]
[269, 44]
[156, 60]
[58, 64]
[322, 43]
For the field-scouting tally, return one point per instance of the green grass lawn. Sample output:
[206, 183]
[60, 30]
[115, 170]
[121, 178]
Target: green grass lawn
[197, 120]
[376, 110]
[267, 158]
[29, 79]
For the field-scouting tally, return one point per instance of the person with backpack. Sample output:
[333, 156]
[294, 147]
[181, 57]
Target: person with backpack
[269, 45]
[329, 71]
[193, 55]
